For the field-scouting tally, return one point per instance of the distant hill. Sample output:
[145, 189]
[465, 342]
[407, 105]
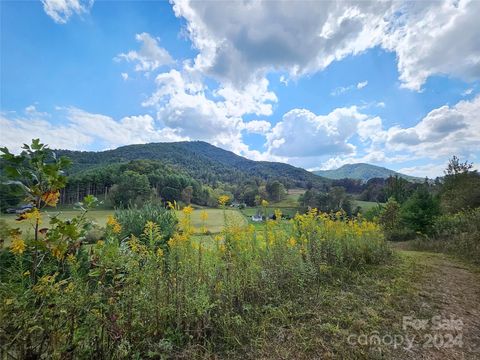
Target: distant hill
[200, 160]
[363, 172]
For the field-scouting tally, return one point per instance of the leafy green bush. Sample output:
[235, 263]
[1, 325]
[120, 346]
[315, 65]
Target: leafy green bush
[455, 233]
[134, 219]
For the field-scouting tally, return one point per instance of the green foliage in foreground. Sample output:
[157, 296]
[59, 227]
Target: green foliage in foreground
[147, 298]
[142, 296]
[134, 219]
[458, 234]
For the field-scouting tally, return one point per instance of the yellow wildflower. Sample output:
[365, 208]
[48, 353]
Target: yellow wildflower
[187, 210]
[278, 214]
[114, 224]
[51, 198]
[33, 214]
[18, 245]
[292, 242]
[264, 203]
[203, 215]
[223, 199]
[26, 273]
[159, 252]
[57, 252]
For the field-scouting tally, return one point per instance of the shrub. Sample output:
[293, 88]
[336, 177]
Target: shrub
[134, 219]
[458, 234]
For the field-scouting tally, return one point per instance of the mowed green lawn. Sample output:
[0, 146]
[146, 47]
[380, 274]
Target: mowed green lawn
[291, 200]
[99, 216]
[365, 205]
[214, 223]
[216, 219]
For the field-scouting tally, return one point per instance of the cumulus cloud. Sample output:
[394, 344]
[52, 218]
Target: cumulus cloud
[240, 41]
[80, 130]
[443, 131]
[346, 135]
[61, 10]
[124, 76]
[184, 103]
[435, 37]
[302, 133]
[150, 57]
[258, 127]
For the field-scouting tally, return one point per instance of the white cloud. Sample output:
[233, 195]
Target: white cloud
[150, 57]
[444, 131]
[429, 170]
[124, 76]
[184, 103]
[362, 84]
[241, 41]
[302, 133]
[346, 135]
[467, 92]
[435, 37]
[80, 130]
[258, 127]
[341, 90]
[61, 10]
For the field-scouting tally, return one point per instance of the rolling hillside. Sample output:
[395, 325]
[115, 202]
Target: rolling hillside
[200, 160]
[363, 172]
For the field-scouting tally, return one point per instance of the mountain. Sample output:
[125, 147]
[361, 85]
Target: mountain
[200, 160]
[363, 172]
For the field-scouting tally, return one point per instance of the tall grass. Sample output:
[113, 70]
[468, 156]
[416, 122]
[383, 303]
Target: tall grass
[457, 234]
[147, 298]
[134, 219]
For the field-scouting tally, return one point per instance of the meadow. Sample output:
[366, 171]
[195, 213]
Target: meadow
[170, 281]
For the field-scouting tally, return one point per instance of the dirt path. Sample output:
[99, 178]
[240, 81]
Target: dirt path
[452, 291]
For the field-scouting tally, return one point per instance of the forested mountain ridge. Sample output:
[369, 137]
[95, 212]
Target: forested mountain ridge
[362, 171]
[200, 160]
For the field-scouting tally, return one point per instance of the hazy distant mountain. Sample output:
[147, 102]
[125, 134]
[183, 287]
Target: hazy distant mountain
[363, 172]
[200, 160]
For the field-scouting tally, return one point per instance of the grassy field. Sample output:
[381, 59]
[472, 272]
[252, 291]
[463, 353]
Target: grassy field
[99, 216]
[365, 205]
[215, 221]
[291, 200]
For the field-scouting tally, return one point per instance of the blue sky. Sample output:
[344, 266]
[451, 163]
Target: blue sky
[313, 84]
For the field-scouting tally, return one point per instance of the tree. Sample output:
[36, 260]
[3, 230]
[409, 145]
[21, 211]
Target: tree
[461, 187]
[398, 188]
[187, 195]
[276, 190]
[419, 211]
[131, 188]
[390, 216]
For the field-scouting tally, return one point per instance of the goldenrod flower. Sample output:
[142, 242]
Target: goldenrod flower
[187, 210]
[292, 242]
[159, 252]
[114, 224]
[33, 214]
[18, 245]
[278, 214]
[223, 199]
[264, 203]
